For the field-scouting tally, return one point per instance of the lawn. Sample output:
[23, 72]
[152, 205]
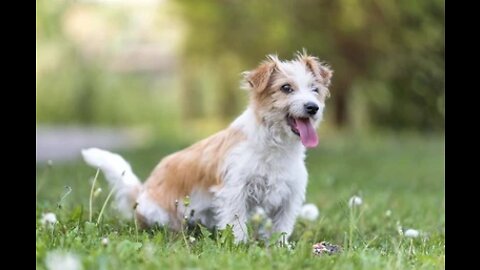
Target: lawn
[399, 178]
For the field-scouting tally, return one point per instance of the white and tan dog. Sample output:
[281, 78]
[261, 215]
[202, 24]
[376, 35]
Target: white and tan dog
[258, 161]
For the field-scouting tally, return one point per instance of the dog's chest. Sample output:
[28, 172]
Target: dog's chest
[268, 178]
[266, 191]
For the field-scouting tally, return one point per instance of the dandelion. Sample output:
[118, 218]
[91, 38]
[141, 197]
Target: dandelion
[192, 239]
[309, 212]
[388, 213]
[258, 215]
[186, 201]
[105, 241]
[97, 192]
[61, 260]
[355, 201]
[149, 250]
[268, 224]
[48, 219]
[399, 228]
[412, 233]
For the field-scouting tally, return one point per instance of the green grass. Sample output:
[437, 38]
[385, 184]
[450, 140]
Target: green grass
[403, 174]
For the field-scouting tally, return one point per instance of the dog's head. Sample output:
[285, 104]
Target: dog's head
[289, 96]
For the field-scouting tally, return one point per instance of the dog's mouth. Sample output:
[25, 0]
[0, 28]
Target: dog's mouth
[303, 128]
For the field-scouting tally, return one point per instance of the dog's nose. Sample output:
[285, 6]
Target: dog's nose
[311, 108]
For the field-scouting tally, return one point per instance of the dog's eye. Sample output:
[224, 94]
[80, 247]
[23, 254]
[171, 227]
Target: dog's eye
[286, 88]
[315, 90]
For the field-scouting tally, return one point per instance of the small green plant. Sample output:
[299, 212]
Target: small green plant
[68, 190]
[105, 204]
[90, 202]
[401, 195]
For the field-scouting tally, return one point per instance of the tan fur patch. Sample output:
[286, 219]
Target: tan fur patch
[321, 71]
[271, 98]
[198, 166]
[260, 80]
[260, 77]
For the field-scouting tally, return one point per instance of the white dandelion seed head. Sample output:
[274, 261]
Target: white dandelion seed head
[48, 219]
[259, 215]
[192, 239]
[268, 224]
[260, 211]
[388, 213]
[149, 250]
[97, 192]
[61, 260]
[355, 201]
[399, 228]
[412, 233]
[290, 246]
[309, 212]
[105, 241]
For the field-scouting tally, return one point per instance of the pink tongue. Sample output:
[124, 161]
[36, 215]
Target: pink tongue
[307, 132]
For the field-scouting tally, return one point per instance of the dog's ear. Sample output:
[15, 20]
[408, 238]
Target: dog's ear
[321, 71]
[259, 78]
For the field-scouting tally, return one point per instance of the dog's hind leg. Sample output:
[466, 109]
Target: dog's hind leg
[148, 212]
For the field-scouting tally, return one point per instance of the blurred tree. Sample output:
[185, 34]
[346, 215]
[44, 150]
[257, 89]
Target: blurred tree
[394, 48]
[391, 53]
[228, 36]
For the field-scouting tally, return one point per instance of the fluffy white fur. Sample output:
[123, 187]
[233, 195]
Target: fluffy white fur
[119, 175]
[272, 174]
[265, 170]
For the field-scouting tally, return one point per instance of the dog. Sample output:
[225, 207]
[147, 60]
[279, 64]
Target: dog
[258, 161]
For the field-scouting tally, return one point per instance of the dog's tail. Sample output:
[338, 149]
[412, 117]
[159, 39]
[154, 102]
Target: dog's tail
[119, 175]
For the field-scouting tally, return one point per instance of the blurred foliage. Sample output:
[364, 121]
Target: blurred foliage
[392, 52]
[388, 58]
[77, 83]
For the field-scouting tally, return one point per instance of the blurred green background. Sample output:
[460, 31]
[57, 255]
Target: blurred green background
[173, 67]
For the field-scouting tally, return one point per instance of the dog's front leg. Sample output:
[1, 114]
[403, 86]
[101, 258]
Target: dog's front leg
[232, 210]
[285, 216]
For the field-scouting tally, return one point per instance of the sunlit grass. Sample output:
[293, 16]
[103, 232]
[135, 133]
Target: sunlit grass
[399, 178]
